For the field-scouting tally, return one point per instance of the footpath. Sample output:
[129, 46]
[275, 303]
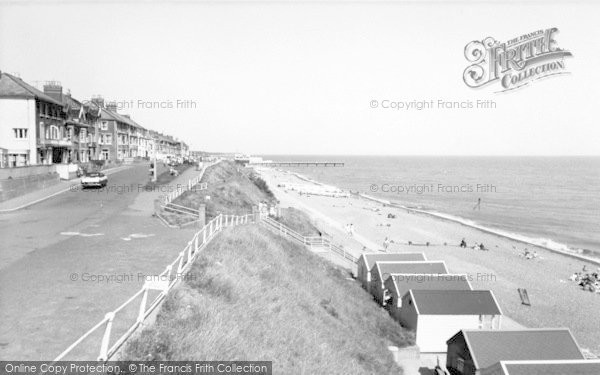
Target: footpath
[37, 196]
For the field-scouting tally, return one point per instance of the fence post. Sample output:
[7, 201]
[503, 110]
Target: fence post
[106, 338]
[189, 247]
[196, 243]
[180, 266]
[169, 270]
[142, 311]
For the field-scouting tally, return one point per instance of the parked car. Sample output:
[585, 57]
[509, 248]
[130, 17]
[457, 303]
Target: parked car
[94, 179]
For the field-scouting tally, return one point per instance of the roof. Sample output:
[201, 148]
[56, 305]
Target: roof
[386, 268]
[14, 87]
[110, 115]
[402, 283]
[488, 347]
[455, 302]
[370, 258]
[579, 367]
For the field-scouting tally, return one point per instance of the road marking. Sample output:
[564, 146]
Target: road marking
[137, 235]
[81, 234]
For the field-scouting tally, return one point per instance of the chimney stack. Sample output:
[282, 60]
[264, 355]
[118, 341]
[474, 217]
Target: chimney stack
[98, 100]
[54, 90]
[112, 106]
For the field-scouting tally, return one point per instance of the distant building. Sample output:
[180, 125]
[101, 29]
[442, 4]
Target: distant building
[366, 261]
[107, 133]
[436, 314]
[479, 352]
[384, 269]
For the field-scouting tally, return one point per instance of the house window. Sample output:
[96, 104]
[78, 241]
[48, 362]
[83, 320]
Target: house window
[108, 139]
[53, 132]
[104, 125]
[460, 365]
[82, 135]
[104, 154]
[20, 133]
[18, 160]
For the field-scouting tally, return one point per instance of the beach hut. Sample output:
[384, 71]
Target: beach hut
[435, 315]
[382, 270]
[366, 261]
[398, 285]
[478, 352]
[553, 367]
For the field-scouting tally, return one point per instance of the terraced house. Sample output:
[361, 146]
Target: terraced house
[49, 126]
[80, 124]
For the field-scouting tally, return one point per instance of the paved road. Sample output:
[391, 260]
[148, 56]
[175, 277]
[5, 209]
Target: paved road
[51, 252]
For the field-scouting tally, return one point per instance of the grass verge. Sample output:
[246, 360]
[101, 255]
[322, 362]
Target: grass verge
[252, 295]
[232, 189]
[297, 220]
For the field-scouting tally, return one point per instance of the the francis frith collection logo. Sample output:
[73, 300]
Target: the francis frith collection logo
[514, 63]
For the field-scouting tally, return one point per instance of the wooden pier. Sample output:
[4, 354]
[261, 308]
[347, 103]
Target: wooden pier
[299, 164]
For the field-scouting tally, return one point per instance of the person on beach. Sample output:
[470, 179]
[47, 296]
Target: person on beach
[478, 205]
[352, 229]
[386, 244]
[463, 243]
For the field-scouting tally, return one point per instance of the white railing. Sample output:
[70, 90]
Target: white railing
[191, 183]
[164, 282]
[311, 242]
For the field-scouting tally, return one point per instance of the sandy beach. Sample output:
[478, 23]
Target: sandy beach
[555, 301]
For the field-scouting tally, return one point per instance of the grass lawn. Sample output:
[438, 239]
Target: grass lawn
[252, 295]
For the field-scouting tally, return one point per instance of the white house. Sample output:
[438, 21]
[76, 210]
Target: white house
[435, 315]
[366, 261]
[18, 131]
[398, 285]
[384, 269]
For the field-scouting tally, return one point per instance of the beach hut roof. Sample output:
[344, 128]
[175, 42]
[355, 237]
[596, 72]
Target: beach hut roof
[402, 283]
[387, 268]
[556, 367]
[455, 302]
[488, 347]
[369, 259]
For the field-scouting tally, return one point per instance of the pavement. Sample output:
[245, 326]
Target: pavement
[69, 259]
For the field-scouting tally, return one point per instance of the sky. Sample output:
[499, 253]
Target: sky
[280, 77]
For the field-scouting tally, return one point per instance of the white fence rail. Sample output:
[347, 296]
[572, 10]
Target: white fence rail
[312, 242]
[191, 183]
[164, 282]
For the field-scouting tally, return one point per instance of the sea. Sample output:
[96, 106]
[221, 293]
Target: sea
[553, 202]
